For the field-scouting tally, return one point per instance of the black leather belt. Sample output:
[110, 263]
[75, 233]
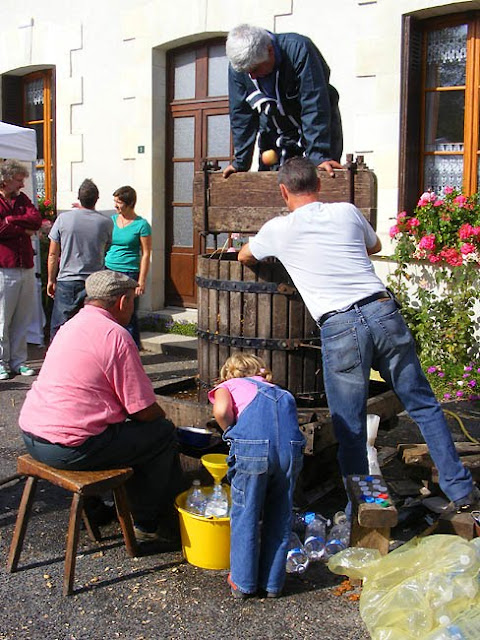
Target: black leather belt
[36, 438]
[360, 303]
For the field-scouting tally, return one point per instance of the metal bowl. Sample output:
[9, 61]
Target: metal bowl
[194, 436]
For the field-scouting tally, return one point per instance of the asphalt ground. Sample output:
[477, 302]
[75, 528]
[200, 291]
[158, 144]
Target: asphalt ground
[151, 597]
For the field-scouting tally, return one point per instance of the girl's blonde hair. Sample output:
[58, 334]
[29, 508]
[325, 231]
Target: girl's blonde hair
[243, 365]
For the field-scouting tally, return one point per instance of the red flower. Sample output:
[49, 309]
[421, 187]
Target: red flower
[427, 242]
[451, 256]
[467, 248]
[466, 231]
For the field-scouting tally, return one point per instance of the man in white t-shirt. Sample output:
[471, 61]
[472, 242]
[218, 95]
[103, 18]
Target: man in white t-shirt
[325, 248]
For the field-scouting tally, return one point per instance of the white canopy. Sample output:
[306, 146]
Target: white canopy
[17, 142]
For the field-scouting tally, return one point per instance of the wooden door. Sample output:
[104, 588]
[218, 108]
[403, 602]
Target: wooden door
[198, 129]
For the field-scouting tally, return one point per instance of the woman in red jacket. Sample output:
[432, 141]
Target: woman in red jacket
[19, 220]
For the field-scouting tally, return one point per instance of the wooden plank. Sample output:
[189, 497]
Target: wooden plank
[245, 201]
[249, 310]
[460, 524]
[202, 270]
[223, 311]
[312, 361]
[419, 453]
[376, 538]
[213, 322]
[384, 405]
[296, 315]
[264, 306]
[280, 322]
[319, 436]
[236, 274]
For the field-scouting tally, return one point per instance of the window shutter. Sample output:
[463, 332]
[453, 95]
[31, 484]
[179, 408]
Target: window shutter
[409, 178]
[12, 100]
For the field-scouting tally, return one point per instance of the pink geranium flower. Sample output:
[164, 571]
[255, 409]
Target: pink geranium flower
[452, 256]
[467, 248]
[427, 242]
[448, 190]
[466, 231]
[426, 198]
[393, 231]
[460, 200]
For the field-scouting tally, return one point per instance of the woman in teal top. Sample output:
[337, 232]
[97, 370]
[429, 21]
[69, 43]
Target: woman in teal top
[131, 247]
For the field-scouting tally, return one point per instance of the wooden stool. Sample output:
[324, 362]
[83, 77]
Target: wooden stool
[81, 484]
[373, 512]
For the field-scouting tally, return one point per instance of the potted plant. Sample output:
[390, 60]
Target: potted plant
[436, 279]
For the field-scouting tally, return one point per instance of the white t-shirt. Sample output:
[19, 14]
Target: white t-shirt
[324, 249]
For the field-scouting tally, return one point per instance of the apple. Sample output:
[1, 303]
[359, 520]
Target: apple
[269, 157]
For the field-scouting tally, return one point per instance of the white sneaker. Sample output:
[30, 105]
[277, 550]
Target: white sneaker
[25, 370]
[4, 374]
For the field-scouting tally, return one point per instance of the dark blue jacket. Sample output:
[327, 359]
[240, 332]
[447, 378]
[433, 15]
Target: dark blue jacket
[304, 117]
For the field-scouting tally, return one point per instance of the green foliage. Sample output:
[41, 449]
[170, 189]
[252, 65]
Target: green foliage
[46, 208]
[438, 301]
[152, 322]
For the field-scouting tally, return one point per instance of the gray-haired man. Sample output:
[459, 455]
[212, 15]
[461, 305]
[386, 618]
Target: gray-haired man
[279, 87]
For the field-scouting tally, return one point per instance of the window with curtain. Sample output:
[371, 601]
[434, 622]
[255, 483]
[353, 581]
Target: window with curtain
[440, 106]
[37, 114]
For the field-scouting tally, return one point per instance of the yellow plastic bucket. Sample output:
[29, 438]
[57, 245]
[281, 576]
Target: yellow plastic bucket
[205, 541]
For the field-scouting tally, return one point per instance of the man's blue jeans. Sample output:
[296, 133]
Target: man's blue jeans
[266, 456]
[133, 326]
[149, 447]
[69, 298]
[376, 334]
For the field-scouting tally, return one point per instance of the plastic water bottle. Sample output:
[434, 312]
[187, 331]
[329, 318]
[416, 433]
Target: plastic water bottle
[217, 503]
[299, 521]
[338, 538]
[315, 534]
[196, 500]
[340, 518]
[465, 627]
[297, 558]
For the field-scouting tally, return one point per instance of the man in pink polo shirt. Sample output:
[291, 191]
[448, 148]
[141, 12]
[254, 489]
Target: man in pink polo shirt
[93, 406]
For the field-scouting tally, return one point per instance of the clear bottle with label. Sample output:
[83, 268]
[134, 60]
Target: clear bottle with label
[315, 535]
[217, 502]
[297, 558]
[196, 500]
[338, 538]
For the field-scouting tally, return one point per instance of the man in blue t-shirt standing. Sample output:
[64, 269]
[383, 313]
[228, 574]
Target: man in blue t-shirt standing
[79, 240]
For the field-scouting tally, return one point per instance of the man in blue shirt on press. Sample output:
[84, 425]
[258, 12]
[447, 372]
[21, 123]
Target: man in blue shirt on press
[279, 88]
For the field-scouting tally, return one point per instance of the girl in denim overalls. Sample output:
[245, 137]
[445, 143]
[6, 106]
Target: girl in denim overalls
[266, 455]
